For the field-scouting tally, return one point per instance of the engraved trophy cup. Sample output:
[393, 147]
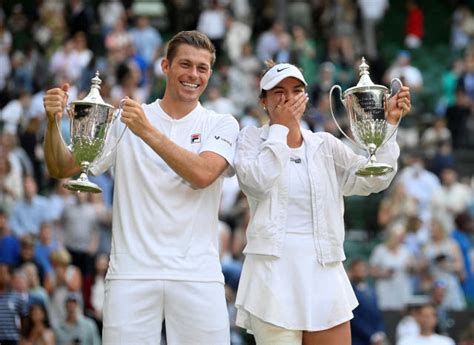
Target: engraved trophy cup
[90, 121]
[366, 106]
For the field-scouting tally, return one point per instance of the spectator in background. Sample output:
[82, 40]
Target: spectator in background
[402, 68]
[237, 35]
[408, 325]
[30, 212]
[37, 329]
[146, 39]
[462, 231]
[110, 11]
[372, 12]
[212, 23]
[11, 183]
[446, 264]
[9, 243]
[414, 25]
[12, 308]
[451, 199]
[435, 134]
[303, 53]
[466, 80]
[76, 328]
[5, 47]
[457, 116]
[427, 320]
[79, 230]
[268, 42]
[16, 113]
[367, 326]
[65, 278]
[391, 263]
[420, 184]
[467, 335]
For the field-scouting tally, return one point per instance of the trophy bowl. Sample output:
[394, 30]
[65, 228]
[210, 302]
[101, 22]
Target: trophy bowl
[90, 121]
[366, 107]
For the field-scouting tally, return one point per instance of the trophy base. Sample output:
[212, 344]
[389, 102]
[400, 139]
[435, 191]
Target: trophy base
[82, 186]
[374, 169]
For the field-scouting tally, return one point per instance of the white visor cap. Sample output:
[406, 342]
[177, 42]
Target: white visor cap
[279, 72]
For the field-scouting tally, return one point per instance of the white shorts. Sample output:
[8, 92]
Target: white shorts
[268, 334]
[194, 312]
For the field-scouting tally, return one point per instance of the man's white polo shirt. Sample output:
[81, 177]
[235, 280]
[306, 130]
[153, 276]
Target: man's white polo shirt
[162, 227]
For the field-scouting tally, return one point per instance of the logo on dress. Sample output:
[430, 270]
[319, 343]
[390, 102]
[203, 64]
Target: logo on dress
[195, 138]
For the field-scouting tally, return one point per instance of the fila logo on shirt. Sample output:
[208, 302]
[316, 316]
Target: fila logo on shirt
[195, 138]
[295, 160]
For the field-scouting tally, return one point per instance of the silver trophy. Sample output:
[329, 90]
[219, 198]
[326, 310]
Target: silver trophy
[366, 106]
[90, 120]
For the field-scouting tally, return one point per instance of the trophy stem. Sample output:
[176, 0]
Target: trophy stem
[82, 184]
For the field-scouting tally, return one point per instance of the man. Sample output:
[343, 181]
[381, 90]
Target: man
[76, 328]
[367, 326]
[427, 336]
[168, 169]
[12, 308]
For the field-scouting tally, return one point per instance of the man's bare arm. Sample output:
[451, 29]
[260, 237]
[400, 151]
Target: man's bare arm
[59, 159]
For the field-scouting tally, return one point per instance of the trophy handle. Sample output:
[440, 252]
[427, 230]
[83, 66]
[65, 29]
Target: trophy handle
[393, 92]
[334, 117]
[116, 116]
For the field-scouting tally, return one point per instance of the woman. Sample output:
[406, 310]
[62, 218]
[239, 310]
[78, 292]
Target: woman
[37, 328]
[293, 287]
[391, 264]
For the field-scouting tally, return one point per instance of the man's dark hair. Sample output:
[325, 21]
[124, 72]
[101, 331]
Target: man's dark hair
[193, 38]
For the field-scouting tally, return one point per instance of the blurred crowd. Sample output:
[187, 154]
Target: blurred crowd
[54, 244]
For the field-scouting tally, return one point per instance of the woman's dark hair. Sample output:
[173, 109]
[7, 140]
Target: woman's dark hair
[28, 325]
[193, 38]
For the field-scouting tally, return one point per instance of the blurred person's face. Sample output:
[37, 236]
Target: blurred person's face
[5, 276]
[437, 231]
[359, 272]
[448, 177]
[45, 233]
[427, 319]
[37, 314]
[29, 186]
[188, 73]
[437, 294]
[19, 282]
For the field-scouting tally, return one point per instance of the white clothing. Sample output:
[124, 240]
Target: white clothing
[212, 23]
[262, 165]
[371, 9]
[195, 312]
[386, 259]
[299, 198]
[13, 114]
[162, 227]
[448, 201]
[407, 327]
[294, 291]
[268, 334]
[434, 339]
[411, 75]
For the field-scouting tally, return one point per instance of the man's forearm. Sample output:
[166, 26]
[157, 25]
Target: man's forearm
[198, 171]
[59, 159]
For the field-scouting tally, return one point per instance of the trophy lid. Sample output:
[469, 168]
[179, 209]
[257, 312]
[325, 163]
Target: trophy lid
[364, 82]
[94, 97]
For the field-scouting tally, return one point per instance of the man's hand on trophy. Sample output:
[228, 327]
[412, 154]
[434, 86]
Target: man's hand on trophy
[55, 101]
[134, 117]
[399, 105]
